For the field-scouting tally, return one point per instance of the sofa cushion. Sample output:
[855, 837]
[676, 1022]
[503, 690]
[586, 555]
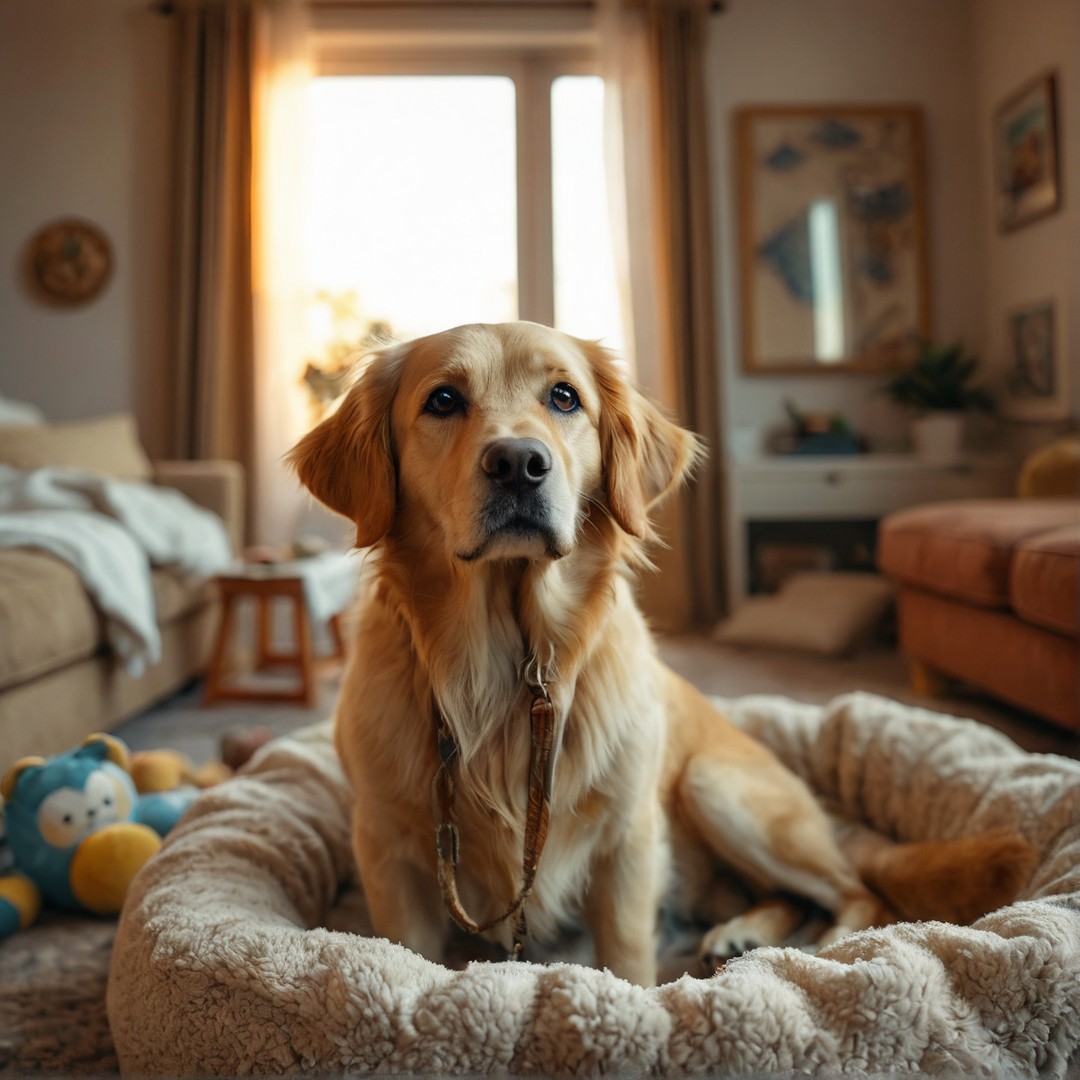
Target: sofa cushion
[46, 617]
[105, 444]
[19, 413]
[1044, 581]
[962, 549]
[176, 595]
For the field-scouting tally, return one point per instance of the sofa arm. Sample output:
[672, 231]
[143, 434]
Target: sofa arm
[215, 485]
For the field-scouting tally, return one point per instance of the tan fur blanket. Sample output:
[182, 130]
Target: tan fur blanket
[223, 964]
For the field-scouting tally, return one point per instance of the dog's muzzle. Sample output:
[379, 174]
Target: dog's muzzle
[517, 504]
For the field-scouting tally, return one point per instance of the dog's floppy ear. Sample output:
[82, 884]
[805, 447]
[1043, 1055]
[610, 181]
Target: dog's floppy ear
[645, 454]
[347, 462]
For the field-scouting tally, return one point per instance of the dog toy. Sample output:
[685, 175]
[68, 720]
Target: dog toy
[79, 831]
[238, 745]
[166, 770]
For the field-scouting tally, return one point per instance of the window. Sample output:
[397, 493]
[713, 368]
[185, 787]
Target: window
[586, 299]
[442, 193]
[413, 200]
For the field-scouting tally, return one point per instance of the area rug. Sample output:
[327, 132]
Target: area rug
[52, 999]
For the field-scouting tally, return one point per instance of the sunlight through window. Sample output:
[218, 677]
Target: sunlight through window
[412, 220]
[586, 301]
[415, 209]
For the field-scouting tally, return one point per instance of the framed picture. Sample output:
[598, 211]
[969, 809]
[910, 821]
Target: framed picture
[832, 237]
[1035, 379]
[1026, 154]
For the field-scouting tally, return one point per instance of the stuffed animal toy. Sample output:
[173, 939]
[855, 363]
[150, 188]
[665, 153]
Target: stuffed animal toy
[166, 770]
[79, 831]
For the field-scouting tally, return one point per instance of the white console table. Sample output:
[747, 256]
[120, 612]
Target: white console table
[824, 488]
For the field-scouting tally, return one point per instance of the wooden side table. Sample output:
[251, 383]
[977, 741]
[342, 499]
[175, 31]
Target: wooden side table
[264, 589]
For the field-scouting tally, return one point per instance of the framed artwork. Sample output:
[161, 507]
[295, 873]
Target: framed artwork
[1035, 378]
[832, 237]
[1026, 154]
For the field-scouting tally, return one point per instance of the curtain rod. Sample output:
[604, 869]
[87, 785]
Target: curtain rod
[168, 7]
[715, 6]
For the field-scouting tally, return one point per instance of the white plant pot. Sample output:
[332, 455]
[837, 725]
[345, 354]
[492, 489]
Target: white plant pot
[939, 437]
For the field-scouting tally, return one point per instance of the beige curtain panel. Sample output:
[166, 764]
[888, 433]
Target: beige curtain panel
[214, 337]
[652, 55]
[242, 74]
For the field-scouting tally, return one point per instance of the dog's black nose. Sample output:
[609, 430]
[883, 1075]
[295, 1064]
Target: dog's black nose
[516, 463]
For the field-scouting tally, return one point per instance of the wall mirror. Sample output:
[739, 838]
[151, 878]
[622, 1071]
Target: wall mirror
[832, 244]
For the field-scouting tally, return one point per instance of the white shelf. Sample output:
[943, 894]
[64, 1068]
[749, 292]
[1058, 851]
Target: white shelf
[838, 487]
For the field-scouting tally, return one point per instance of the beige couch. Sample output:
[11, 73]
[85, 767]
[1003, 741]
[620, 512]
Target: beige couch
[58, 679]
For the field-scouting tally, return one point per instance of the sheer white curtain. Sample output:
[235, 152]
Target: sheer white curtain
[282, 74]
[652, 59]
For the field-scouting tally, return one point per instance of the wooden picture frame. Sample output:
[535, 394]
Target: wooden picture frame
[1036, 387]
[833, 263]
[1027, 182]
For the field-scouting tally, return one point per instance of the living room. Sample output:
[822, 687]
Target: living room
[97, 110]
[958, 62]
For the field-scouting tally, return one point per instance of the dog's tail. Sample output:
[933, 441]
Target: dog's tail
[954, 881]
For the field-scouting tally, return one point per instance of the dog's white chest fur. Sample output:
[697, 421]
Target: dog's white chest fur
[609, 741]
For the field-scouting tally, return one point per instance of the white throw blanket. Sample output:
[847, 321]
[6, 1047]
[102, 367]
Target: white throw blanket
[111, 532]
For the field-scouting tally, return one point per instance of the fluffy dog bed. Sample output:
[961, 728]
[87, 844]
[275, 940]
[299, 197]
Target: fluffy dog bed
[223, 963]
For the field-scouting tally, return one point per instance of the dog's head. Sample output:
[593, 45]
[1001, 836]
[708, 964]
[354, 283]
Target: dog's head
[499, 439]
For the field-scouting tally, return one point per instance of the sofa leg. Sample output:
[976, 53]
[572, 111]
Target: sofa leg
[927, 681]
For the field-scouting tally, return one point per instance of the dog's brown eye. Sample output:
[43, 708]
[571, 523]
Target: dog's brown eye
[444, 401]
[564, 398]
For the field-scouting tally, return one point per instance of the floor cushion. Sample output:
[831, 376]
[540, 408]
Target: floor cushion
[225, 962]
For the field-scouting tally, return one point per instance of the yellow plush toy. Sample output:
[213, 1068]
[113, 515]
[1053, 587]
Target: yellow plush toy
[166, 770]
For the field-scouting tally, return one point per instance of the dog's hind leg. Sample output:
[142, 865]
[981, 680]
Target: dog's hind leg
[760, 820]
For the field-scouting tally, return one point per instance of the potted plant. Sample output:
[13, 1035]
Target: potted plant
[937, 390]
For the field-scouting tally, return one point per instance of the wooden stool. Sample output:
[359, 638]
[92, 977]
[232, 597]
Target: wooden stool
[233, 587]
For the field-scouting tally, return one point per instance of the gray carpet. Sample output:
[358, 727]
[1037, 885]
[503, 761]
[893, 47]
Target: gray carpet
[52, 977]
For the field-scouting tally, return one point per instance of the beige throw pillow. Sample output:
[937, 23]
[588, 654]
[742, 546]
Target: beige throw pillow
[105, 444]
[825, 613]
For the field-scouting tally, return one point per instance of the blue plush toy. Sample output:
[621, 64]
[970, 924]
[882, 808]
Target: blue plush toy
[79, 831]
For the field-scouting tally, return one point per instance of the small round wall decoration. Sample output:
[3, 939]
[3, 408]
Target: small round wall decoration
[69, 261]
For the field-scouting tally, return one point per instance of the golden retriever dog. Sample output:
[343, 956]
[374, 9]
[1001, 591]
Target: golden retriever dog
[504, 476]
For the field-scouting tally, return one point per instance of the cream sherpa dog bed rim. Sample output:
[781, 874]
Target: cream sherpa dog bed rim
[214, 971]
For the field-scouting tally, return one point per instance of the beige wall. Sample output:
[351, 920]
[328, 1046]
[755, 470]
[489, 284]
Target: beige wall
[85, 117]
[1040, 261]
[957, 59]
[85, 113]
